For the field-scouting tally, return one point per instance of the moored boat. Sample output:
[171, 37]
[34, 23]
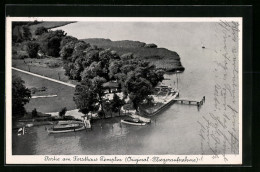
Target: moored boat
[69, 122]
[133, 122]
[65, 128]
[29, 125]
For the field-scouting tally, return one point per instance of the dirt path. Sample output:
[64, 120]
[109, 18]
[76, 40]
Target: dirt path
[44, 77]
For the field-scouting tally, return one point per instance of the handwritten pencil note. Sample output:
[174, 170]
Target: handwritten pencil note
[219, 128]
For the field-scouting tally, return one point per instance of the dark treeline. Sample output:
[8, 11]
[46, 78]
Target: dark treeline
[20, 96]
[21, 31]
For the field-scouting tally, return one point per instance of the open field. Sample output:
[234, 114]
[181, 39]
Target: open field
[64, 94]
[38, 66]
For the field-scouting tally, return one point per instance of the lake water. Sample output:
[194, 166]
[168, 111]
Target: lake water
[173, 131]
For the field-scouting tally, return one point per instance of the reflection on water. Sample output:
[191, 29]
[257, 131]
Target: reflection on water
[174, 131]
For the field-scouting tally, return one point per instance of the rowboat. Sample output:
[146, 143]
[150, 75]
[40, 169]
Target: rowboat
[132, 122]
[69, 122]
[65, 128]
[29, 125]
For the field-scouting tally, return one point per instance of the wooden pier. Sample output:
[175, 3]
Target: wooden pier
[174, 99]
[190, 101]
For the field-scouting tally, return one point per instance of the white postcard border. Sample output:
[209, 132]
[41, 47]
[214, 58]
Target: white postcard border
[137, 159]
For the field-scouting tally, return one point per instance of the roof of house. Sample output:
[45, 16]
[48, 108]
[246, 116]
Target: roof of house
[110, 85]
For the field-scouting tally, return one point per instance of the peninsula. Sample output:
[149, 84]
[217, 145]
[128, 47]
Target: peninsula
[160, 57]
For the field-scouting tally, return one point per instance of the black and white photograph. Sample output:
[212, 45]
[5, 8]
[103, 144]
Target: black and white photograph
[115, 90]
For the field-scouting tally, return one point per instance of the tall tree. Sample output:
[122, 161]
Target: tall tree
[114, 69]
[95, 69]
[50, 42]
[26, 32]
[97, 85]
[84, 98]
[62, 112]
[32, 49]
[67, 39]
[54, 46]
[20, 96]
[116, 103]
[34, 113]
[137, 88]
[67, 50]
[108, 107]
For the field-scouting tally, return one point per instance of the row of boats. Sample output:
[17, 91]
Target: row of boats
[73, 126]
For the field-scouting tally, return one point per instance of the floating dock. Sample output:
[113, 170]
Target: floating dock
[165, 105]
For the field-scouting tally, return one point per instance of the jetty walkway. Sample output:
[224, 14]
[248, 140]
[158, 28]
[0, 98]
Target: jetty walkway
[190, 101]
[174, 99]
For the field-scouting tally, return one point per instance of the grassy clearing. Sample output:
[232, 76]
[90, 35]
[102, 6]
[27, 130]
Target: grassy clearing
[64, 94]
[45, 62]
[40, 66]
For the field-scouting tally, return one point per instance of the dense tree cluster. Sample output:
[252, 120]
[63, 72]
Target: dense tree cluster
[50, 42]
[94, 66]
[84, 61]
[20, 96]
[21, 33]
